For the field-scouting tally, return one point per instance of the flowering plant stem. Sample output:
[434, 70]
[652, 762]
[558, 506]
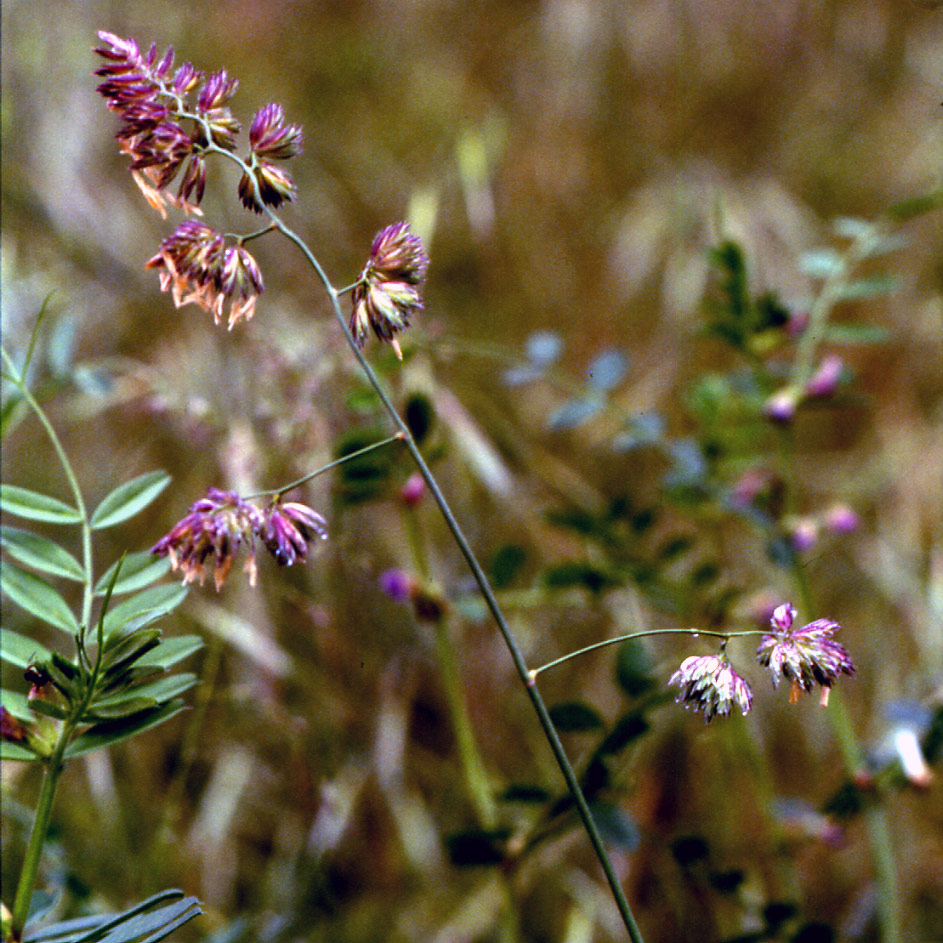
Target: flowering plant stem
[484, 586]
[54, 763]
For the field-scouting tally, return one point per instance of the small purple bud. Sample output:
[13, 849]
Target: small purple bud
[841, 519]
[781, 406]
[397, 584]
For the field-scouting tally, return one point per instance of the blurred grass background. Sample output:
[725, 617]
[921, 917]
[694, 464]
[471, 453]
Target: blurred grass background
[571, 160]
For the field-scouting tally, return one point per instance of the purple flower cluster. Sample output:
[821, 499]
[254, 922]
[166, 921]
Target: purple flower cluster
[163, 133]
[388, 291]
[217, 526]
[805, 656]
[197, 265]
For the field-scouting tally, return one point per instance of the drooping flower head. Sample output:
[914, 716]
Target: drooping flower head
[805, 656]
[289, 528]
[270, 138]
[388, 291]
[218, 526]
[709, 684]
[198, 266]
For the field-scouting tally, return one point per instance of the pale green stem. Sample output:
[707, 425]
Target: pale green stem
[324, 468]
[473, 767]
[694, 633]
[879, 833]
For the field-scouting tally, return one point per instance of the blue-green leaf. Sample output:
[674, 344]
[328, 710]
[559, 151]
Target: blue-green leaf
[41, 553]
[575, 717]
[155, 692]
[20, 650]
[150, 921]
[144, 607]
[38, 597]
[127, 499]
[21, 502]
[873, 286]
[137, 571]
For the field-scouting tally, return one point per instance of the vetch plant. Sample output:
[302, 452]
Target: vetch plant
[110, 683]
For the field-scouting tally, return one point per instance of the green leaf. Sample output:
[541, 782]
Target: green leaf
[114, 731]
[20, 650]
[849, 332]
[16, 751]
[172, 650]
[871, 287]
[615, 826]
[506, 564]
[120, 651]
[21, 502]
[41, 553]
[158, 692]
[38, 597]
[629, 727]
[144, 607]
[41, 706]
[477, 846]
[575, 717]
[114, 710]
[127, 499]
[137, 571]
[16, 704]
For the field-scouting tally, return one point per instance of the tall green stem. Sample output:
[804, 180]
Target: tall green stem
[37, 838]
[484, 586]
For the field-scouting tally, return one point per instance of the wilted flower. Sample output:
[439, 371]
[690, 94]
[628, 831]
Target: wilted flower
[710, 685]
[289, 528]
[267, 185]
[213, 530]
[388, 292]
[805, 656]
[11, 729]
[198, 266]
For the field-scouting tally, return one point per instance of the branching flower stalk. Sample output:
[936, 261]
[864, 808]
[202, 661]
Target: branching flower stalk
[199, 266]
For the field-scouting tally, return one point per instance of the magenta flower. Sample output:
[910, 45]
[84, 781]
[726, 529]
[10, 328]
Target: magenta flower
[212, 532]
[709, 684]
[288, 530]
[158, 132]
[388, 291]
[804, 656]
